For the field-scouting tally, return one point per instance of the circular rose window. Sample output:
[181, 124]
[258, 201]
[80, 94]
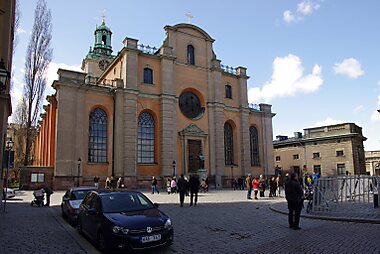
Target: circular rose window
[190, 105]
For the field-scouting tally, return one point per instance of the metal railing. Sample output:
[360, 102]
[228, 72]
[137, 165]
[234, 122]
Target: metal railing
[228, 69]
[342, 193]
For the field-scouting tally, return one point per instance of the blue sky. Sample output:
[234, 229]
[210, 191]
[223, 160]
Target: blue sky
[317, 62]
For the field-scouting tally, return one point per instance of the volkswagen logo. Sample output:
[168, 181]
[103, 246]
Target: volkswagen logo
[149, 229]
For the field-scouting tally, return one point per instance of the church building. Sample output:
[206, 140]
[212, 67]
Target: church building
[152, 111]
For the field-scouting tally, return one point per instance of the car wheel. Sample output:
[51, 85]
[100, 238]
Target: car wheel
[102, 245]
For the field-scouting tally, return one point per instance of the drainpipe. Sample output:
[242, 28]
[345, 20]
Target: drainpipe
[113, 94]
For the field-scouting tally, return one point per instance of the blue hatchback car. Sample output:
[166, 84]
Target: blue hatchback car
[123, 220]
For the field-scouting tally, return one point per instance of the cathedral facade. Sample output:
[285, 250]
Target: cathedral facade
[154, 112]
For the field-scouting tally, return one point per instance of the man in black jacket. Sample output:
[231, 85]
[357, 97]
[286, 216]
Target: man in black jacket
[182, 187]
[194, 184]
[294, 196]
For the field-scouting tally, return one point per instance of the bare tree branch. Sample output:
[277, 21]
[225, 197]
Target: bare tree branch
[38, 58]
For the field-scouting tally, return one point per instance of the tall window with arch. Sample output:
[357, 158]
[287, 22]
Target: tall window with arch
[97, 145]
[228, 145]
[190, 55]
[254, 145]
[148, 75]
[145, 138]
[228, 91]
[104, 40]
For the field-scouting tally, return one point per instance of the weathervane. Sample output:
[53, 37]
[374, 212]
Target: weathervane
[189, 17]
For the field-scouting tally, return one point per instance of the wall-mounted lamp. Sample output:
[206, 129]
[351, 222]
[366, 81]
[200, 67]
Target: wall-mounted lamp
[4, 75]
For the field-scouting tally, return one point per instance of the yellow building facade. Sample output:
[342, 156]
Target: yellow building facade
[158, 112]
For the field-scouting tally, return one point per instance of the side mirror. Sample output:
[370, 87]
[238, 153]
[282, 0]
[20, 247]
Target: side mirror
[156, 205]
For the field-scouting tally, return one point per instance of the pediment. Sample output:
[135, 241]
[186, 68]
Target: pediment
[192, 130]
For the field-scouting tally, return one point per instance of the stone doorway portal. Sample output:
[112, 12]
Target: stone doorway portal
[194, 149]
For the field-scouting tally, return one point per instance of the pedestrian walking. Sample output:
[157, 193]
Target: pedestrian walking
[194, 184]
[255, 186]
[173, 185]
[248, 181]
[120, 183]
[168, 188]
[294, 196]
[154, 185]
[96, 181]
[272, 187]
[48, 193]
[108, 183]
[262, 186]
[278, 185]
[204, 186]
[182, 186]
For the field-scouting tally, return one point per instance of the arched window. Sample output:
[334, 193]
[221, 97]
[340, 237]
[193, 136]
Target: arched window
[104, 40]
[228, 145]
[190, 55]
[148, 76]
[97, 145]
[228, 92]
[254, 144]
[145, 138]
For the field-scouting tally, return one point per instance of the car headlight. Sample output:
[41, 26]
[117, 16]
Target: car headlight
[118, 229]
[168, 224]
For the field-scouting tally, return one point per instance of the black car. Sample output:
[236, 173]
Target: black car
[123, 220]
[71, 202]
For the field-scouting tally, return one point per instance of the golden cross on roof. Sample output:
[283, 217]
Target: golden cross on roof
[189, 17]
[103, 16]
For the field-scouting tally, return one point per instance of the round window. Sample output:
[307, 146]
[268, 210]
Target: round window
[190, 105]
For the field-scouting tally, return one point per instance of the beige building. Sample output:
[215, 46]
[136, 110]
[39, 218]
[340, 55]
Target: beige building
[332, 150]
[7, 19]
[372, 162]
[154, 112]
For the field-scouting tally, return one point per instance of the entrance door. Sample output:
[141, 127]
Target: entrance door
[296, 169]
[195, 149]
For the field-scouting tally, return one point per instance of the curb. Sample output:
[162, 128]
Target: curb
[331, 218]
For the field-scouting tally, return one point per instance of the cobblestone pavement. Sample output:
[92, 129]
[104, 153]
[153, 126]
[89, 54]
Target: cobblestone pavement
[222, 222]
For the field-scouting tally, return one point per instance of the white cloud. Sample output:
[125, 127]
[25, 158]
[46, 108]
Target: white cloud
[304, 8]
[358, 109]
[349, 67]
[307, 7]
[288, 16]
[378, 82]
[287, 80]
[52, 75]
[326, 122]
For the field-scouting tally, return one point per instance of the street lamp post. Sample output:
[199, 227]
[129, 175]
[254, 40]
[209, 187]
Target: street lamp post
[78, 163]
[174, 164]
[9, 148]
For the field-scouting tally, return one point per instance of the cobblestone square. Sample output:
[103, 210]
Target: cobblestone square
[222, 222]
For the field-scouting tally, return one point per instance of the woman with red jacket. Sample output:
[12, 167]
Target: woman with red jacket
[255, 186]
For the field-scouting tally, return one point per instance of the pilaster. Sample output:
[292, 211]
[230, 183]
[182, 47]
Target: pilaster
[130, 130]
[245, 142]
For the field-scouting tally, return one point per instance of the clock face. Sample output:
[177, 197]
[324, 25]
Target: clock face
[190, 105]
[103, 64]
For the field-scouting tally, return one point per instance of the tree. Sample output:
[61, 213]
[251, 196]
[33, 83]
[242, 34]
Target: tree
[38, 58]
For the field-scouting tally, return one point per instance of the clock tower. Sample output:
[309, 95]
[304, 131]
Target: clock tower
[100, 56]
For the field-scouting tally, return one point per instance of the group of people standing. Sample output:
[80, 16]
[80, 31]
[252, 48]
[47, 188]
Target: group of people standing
[110, 183]
[260, 184]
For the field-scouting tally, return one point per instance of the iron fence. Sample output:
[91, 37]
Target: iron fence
[342, 193]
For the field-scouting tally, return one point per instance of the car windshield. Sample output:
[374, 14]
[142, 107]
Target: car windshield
[125, 202]
[79, 194]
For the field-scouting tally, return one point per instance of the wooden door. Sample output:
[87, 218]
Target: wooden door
[194, 149]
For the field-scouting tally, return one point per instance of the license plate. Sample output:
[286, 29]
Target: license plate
[151, 238]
